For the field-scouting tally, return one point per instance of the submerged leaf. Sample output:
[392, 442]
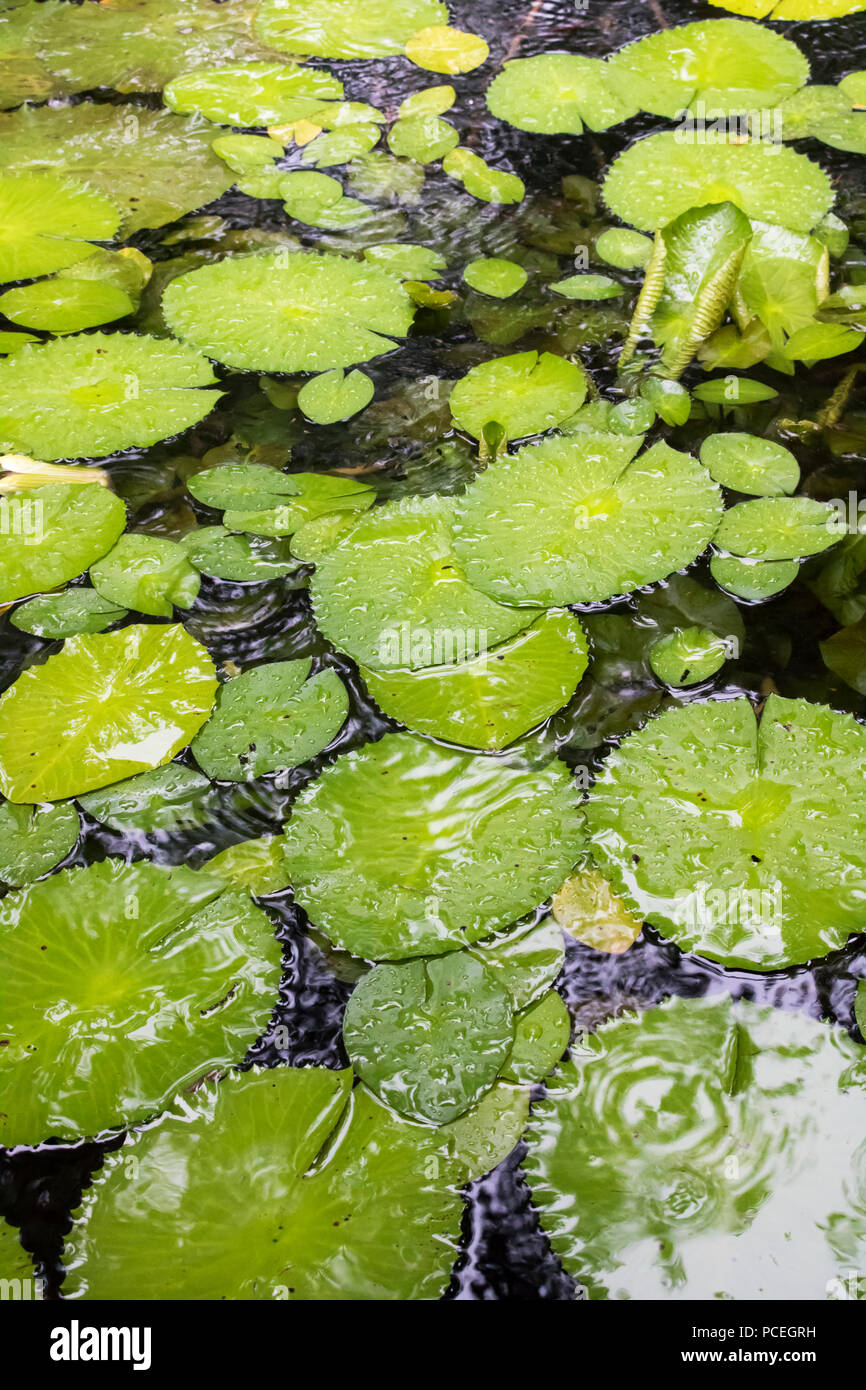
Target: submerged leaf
[344, 28]
[526, 959]
[502, 838]
[257, 94]
[125, 700]
[34, 839]
[588, 909]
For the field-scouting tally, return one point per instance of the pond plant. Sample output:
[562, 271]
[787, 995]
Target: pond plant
[433, 710]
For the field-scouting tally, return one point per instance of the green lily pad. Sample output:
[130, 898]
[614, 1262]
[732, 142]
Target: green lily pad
[853, 85]
[65, 615]
[734, 391]
[11, 342]
[587, 287]
[756, 1103]
[750, 464]
[430, 101]
[660, 177]
[492, 699]
[429, 1037]
[334, 396]
[526, 959]
[816, 341]
[345, 29]
[179, 978]
[259, 865]
[525, 393]
[670, 401]
[541, 1036]
[405, 260]
[34, 839]
[688, 656]
[330, 311]
[65, 305]
[360, 1226]
[53, 533]
[47, 222]
[257, 94]
[580, 519]
[753, 580]
[622, 248]
[779, 528]
[93, 395]
[16, 1266]
[860, 1009]
[244, 559]
[131, 154]
[418, 610]
[502, 838]
[126, 701]
[243, 487]
[558, 93]
[170, 799]
[423, 138]
[740, 840]
[779, 10]
[312, 495]
[245, 154]
[487, 184]
[148, 574]
[339, 146]
[588, 909]
[269, 719]
[494, 276]
[724, 63]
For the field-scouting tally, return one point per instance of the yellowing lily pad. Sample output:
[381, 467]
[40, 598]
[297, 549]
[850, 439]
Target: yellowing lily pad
[46, 223]
[439, 48]
[122, 984]
[502, 838]
[588, 909]
[298, 312]
[740, 839]
[126, 701]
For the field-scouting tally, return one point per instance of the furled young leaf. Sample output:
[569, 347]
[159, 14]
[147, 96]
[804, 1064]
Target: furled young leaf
[418, 884]
[361, 1226]
[491, 699]
[579, 519]
[557, 93]
[269, 719]
[148, 574]
[418, 610]
[48, 222]
[243, 559]
[51, 534]
[526, 393]
[330, 311]
[257, 94]
[334, 396]
[65, 615]
[757, 1102]
[660, 177]
[753, 580]
[429, 1037]
[742, 840]
[345, 28]
[132, 154]
[126, 701]
[33, 839]
[166, 800]
[779, 528]
[750, 464]
[588, 909]
[724, 63]
[123, 984]
[98, 393]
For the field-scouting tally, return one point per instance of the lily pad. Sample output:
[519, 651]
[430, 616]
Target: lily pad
[334, 396]
[330, 311]
[424, 138]
[179, 978]
[65, 615]
[126, 701]
[494, 276]
[131, 154]
[270, 503]
[492, 699]
[733, 390]
[541, 1036]
[246, 154]
[525, 394]
[688, 656]
[34, 839]
[502, 838]
[558, 93]
[580, 519]
[587, 287]
[430, 101]
[622, 248]
[724, 63]
[526, 959]
[148, 574]
[339, 146]
[93, 395]
[742, 840]
[344, 28]
[660, 177]
[755, 1105]
[418, 608]
[487, 184]
[167, 800]
[429, 1037]
[65, 305]
[47, 222]
[244, 559]
[269, 719]
[753, 580]
[360, 1226]
[439, 48]
[257, 94]
[779, 528]
[408, 261]
[53, 533]
[588, 909]
[750, 464]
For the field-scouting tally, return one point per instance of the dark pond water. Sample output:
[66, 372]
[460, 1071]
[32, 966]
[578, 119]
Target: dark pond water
[405, 447]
